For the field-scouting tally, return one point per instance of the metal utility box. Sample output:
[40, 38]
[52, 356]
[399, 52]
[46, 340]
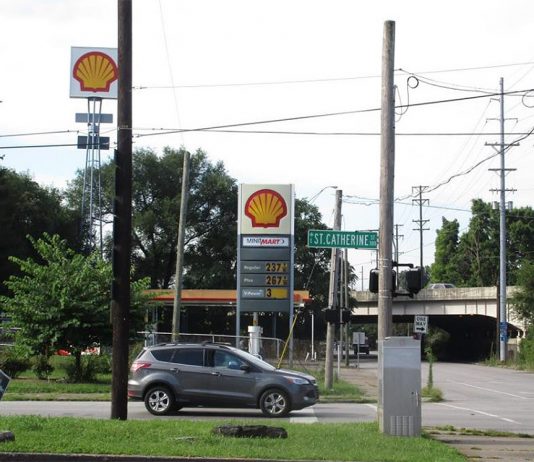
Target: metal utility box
[399, 386]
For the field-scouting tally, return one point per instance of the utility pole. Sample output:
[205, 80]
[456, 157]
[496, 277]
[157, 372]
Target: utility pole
[122, 220]
[387, 173]
[397, 235]
[180, 250]
[332, 300]
[346, 286]
[420, 201]
[503, 330]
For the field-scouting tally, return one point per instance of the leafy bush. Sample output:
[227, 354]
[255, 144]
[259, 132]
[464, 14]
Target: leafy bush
[42, 367]
[90, 367]
[526, 351]
[13, 364]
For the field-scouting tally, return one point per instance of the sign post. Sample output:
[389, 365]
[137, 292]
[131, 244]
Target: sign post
[265, 251]
[4, 382]
[420, 325]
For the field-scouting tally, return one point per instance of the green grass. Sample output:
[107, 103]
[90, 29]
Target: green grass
[433, 394]
[361, 441]
[341, 390]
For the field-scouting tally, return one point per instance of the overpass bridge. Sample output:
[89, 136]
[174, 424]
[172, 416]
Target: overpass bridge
[468, 314]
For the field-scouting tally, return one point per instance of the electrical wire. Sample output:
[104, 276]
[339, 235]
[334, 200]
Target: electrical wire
[327, 114]
[12, 135]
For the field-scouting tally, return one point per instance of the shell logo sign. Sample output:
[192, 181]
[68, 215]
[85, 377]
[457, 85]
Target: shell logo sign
[266, 208]
[94, 73]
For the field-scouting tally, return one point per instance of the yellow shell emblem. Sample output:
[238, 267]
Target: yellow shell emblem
[266, 208]
[95, 71]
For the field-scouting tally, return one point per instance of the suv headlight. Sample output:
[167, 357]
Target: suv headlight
[296, 380]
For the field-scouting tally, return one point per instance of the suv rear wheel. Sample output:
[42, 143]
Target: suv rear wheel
[274, 403]
[159, 400]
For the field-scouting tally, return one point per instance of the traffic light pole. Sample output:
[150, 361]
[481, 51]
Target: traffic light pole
[387, 170]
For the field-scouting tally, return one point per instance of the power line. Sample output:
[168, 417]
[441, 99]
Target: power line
[321, 80]
[12, 135]
[326, 114]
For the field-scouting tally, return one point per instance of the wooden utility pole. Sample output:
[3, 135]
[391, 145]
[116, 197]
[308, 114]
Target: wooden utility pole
[332, 301]
[122, 220]
[387, 175]
[180, 250]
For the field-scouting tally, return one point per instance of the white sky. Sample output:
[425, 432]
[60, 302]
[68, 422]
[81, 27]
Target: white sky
[202, 46]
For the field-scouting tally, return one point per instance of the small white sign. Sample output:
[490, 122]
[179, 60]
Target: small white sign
[265, 241]
[420, 324]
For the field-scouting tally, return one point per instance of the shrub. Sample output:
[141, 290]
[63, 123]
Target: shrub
[90, 366]
[13, 364]
[42, 368]
[526, 351]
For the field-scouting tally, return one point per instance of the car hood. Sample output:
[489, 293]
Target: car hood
[309, 377]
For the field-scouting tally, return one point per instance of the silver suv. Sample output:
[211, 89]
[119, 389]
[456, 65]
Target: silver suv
[171, 376]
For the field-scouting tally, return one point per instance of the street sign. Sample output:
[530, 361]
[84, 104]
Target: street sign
[82, 117]
[83, 143]
[4, 382]
[420, 324]
[325, 238]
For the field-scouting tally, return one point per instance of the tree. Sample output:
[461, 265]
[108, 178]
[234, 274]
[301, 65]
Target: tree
[444, 268]
[210, 256]
[28, 209]
[62, 301]
[523, 298]
[472, 259]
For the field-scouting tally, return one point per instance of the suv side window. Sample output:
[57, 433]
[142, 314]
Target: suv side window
[189, 356]
[163, 354]
[226, 360]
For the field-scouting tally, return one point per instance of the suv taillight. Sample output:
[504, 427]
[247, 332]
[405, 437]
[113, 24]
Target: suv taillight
[136, 365]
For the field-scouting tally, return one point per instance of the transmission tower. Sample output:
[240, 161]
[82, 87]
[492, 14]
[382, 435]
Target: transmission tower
[91, 208]
[419, 190]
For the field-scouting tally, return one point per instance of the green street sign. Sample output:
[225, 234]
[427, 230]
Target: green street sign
[325, 238]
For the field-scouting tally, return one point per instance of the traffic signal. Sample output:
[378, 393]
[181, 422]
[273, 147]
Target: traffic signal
[415, 280]
[373, 281]
[345, 316]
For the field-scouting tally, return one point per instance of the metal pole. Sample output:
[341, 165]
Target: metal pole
[331, 326]
[387, 169]
[502, 240]
[387, 174]
[122, 223]
[180, 250]
[346, 284]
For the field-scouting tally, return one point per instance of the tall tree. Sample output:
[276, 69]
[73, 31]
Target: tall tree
[472, 259]
[444, 268]
[209, 259]
[62, 299]
[28, 209]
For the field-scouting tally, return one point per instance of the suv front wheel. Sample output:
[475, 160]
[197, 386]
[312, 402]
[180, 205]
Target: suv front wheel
[159, 400]
[274, 403]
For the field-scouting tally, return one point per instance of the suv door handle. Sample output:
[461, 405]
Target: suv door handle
[175, 369]
[215, 373]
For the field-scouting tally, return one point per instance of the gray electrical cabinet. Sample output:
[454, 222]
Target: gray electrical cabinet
[399, 386]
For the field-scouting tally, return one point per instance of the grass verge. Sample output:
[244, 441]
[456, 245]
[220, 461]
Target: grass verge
[361, 441]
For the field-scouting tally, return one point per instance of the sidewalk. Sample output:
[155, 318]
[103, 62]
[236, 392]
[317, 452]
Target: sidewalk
[474, 447]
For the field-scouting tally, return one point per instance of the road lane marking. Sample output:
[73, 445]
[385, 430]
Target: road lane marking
[479, 412]
[307, 419]
[491, 390]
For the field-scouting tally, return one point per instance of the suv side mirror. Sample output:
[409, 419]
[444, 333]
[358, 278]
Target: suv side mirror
[245, 367]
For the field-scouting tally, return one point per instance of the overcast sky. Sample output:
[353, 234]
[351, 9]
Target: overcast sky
[206, 63]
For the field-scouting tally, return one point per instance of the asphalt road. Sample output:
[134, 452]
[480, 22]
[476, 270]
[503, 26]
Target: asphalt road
[475, 397]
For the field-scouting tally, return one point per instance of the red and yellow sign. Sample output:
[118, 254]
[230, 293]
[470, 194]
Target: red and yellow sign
[266, 208]
[93, 73]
